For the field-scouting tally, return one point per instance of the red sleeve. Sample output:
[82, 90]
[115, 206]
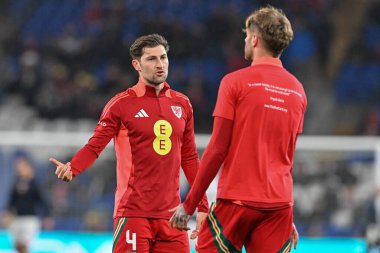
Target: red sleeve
[212, 159]
[105, 130]
[189, 159]
[225, 104]
[300, 126]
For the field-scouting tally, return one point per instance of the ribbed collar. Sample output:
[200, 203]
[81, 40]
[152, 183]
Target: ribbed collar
[142, 89]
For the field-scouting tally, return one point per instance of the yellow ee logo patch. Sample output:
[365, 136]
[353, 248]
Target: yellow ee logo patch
[162, 143]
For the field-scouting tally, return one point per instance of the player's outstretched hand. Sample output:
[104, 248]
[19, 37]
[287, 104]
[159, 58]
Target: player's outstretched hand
[200, 218]
[180, 218]
[63, 171]
[295, 237]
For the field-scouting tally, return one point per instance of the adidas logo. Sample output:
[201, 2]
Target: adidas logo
[141, 114]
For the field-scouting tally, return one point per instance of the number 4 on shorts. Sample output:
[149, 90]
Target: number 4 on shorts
[131, 241]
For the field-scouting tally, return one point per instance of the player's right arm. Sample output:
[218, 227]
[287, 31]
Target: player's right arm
[105, 130]
[213, 157]
[62, 171]
[218, 147]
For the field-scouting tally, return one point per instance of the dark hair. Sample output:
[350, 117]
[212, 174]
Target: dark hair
[273, 26]
[151, 40]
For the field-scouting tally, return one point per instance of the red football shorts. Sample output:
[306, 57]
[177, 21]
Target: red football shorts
[229, 226]
[144, 235]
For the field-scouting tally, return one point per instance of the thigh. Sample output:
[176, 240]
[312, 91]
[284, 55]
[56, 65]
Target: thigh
[131, 235]
[167, 239]
[225, 228]
[272, 233]
[24, 229]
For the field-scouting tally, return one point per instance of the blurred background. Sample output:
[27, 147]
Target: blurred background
[61, 61]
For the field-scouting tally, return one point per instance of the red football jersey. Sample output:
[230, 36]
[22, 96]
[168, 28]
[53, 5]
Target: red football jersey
[267, 105]
[154, 136]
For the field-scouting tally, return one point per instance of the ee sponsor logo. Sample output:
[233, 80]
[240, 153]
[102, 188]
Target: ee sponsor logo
[162, 144]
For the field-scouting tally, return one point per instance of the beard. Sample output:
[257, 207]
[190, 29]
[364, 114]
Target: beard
[155, 80]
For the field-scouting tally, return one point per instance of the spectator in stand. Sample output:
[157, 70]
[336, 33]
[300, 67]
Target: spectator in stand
[26, 204]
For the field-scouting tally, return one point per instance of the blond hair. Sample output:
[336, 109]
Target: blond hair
[273, 26]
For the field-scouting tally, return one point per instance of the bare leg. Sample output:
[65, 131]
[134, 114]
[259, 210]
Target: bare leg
[21, 248]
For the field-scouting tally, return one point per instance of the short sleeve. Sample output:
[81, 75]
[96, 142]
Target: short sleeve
[225, 104]
[300, 125]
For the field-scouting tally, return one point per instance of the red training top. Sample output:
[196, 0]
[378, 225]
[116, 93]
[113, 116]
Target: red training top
[154, 136]
[263, 107]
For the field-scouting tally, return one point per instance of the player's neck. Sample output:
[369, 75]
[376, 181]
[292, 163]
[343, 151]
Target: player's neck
[259, 54]
[158, 88]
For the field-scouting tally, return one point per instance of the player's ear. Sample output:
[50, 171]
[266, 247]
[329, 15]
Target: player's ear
[255, 39]
[136, 65]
